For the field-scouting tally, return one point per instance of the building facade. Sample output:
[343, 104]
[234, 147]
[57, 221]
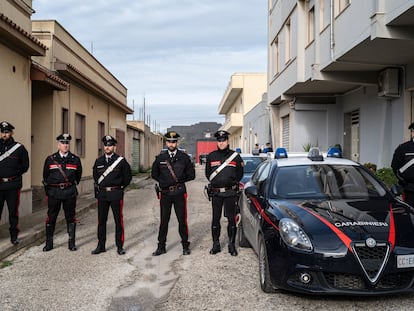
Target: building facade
[243, 93]
[142, 146]
[257, 129]
[341, 72]
[50, 85]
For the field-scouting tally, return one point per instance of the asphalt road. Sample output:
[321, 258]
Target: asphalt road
[64, 280]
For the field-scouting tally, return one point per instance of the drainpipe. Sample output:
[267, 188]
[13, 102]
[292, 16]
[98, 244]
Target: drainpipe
[331, 28]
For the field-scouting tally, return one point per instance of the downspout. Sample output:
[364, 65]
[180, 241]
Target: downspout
[332, 32]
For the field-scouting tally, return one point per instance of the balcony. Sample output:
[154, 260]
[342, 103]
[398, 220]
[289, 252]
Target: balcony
[233, 122]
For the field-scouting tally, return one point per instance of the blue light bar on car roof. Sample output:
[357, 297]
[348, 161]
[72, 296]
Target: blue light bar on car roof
[334, 152]
[280, 153]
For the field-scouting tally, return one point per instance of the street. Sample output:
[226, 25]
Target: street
[65, 280]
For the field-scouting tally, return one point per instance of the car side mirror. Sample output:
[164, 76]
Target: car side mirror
[397, 190]
[251, 191]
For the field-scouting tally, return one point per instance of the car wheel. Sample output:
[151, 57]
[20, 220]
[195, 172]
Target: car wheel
[243, 242]
[264, 274]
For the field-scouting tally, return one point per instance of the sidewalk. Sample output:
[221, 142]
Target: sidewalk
[32, 226]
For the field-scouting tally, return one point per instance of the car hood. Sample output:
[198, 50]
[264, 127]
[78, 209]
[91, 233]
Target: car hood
[336, 224]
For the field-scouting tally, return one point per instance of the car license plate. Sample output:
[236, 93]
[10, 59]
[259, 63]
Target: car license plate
[405, 261]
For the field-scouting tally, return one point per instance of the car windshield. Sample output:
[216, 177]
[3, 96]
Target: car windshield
[325, 182]
[250, 163]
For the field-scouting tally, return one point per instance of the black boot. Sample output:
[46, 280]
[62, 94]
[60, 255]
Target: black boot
[99, 249]
[49, 237]
[215, 231]
[186, 248]
[160, 250]
[72, 233]
[232, 239]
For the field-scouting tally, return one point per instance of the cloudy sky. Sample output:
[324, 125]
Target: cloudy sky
[177, 54]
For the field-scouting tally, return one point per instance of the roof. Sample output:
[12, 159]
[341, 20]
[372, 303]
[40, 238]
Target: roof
[304, 160]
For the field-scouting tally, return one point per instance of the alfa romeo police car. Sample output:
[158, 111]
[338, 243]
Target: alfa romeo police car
[326, 225]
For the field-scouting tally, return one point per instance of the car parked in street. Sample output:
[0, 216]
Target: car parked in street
[250, 164]
[327, 225]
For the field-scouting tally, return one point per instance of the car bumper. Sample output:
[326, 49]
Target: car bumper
[314, 274]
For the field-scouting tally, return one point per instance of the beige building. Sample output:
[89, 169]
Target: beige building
[92, 104]
[17, 45]
[243, 93]
[50, 84]
[142, 146]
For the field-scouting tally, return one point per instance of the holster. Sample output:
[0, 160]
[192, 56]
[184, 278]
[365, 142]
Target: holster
[157, 190]
[96, 189]
[208, 191]
[44, 186]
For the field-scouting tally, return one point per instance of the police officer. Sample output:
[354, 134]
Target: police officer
[403, 166]
[224, 170]
[172, 169]
[111, 173]
[62, 171]
[14, 162]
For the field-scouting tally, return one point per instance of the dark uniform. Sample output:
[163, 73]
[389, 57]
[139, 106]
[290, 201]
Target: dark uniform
[14, 162]
[110, 193]
[404, 169]
[173, 192]
[61, 174]
[224, 191]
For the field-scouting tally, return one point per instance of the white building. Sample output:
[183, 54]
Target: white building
[341, 72]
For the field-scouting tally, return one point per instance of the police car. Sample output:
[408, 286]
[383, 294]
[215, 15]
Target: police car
[251, 161]
[326, 225]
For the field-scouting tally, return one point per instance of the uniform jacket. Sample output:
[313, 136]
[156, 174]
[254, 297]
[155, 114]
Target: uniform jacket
[230, 175]
[181, 164]
[14, 166]
[71, 166]
[120, 177]
[403, 154]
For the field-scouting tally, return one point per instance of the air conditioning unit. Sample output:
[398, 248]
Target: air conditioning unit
[388, 83]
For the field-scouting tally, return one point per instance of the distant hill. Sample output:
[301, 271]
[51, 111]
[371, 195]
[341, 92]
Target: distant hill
[190, 134]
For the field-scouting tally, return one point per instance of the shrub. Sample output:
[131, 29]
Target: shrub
[387, 176]
[371, 166]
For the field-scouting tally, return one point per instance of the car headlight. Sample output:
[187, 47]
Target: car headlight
[293, 235]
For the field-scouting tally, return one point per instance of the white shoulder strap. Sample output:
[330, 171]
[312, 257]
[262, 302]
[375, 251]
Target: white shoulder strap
[223, 165]
[406, 165]
[9, 152]
[109, 169]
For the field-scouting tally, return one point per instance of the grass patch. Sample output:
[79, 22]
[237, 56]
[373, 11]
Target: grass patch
[4, 264]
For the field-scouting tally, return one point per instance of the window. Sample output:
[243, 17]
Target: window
[65, 120]
[311, 25]
[321, 15]
[340, 5]
[101, 133]
[80, 135]
[275, 57]
[287, 41]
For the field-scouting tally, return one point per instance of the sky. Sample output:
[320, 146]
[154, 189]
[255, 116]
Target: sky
[177, 55]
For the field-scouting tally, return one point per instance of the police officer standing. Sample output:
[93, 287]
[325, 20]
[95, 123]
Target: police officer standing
[14, 162]
[403, 166]
[62, 171]
[224, 170]
[172, 169]
[111, 173]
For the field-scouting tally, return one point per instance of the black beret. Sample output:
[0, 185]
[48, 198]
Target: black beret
[171, 136]
[222, 135]
[64, 137]
[6, 126]
[411, 127]
[108, 140]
